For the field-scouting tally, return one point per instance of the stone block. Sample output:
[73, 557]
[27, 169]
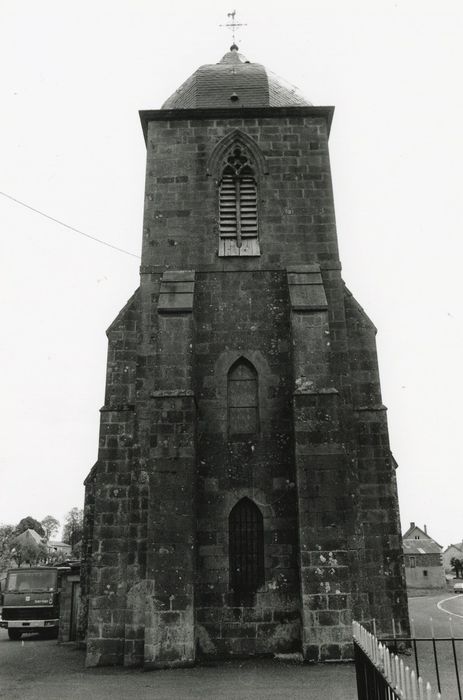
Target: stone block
[328, 618]
[311, 653]
[330, 652]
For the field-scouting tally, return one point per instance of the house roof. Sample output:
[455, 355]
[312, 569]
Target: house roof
[412, 531]
[458, 546]
[428, 546]
[29, 536]
[234, 82]
[416, 528]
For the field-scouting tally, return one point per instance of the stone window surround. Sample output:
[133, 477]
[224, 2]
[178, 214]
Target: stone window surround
[249, 246]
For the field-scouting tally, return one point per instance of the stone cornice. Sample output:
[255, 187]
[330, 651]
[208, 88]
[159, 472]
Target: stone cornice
[152, 115]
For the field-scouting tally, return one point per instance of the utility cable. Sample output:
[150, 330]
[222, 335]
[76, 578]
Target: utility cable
[71, 228]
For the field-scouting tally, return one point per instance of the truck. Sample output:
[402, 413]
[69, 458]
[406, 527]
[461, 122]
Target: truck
[30, 601]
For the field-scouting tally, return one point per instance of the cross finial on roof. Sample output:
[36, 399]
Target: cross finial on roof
[233, 25]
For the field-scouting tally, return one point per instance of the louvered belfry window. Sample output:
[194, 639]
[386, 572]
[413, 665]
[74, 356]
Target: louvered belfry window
[246, 551]
[238, 204]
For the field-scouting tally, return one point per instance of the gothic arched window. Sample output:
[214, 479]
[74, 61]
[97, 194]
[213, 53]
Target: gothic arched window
[238, 225]
[242, 399]
[246, 551]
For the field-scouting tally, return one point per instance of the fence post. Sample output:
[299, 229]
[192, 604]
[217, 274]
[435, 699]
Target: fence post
[414, 686]
[408, 687]
[402, 678]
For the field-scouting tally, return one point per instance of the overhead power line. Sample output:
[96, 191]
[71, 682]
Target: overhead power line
[71, 228]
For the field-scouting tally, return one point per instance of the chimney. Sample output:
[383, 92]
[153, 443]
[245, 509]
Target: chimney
[425, 530]
[412, 525]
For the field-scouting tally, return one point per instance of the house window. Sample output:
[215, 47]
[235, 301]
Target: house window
[412, 562]
[246, 551]
[425, 572]
[243, 409]
[238, 225]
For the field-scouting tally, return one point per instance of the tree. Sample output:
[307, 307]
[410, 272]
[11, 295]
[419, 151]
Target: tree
[6, 537]
[457, 565]
[30, 523]
[50, 526]
[73, 526]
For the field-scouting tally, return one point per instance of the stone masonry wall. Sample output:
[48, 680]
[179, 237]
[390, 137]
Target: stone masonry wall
[325, 478]
[245, 315]
[111, 483]
[242, 309]
[318, 467]
[87, 550]
[168, 423]
[382, 581]
[295, 203]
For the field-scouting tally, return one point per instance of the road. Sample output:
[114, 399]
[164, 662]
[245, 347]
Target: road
[446, 611]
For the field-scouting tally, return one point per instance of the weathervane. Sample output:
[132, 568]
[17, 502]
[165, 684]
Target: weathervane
[232, 25]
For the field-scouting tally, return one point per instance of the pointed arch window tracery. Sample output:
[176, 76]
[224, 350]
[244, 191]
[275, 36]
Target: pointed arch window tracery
[238, 216]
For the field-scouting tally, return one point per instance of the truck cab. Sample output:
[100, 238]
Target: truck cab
[30, 601]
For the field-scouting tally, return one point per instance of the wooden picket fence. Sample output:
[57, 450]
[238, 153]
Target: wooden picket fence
[381, 675]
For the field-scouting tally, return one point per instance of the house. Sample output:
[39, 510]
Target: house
[28, 548]
[52, 550]
[452, 551]
[422, 559]
[62, 550]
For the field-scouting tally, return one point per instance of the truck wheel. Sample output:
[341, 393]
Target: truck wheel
[14, 634]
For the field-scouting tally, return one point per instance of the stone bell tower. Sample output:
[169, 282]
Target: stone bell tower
[244, 499]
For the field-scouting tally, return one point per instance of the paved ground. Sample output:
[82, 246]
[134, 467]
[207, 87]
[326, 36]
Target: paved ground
[44, 670]
[38, 669]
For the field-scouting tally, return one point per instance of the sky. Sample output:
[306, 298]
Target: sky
[74, 76]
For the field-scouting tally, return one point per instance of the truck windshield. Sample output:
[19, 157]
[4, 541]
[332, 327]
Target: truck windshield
[25, 580]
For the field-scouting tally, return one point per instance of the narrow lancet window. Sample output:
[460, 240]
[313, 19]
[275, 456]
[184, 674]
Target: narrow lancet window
[243, 400]
[246, 551]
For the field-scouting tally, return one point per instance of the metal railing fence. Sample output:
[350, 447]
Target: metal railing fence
[381, 675]
[417, 643]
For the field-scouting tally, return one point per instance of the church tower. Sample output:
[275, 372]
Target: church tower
[244, 499]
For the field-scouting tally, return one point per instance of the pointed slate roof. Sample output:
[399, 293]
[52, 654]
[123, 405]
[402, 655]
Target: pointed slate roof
[234, 82]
